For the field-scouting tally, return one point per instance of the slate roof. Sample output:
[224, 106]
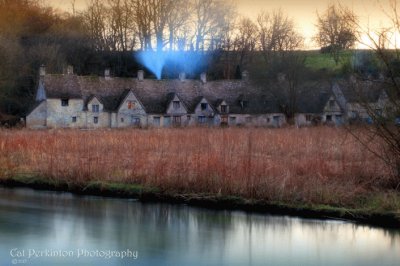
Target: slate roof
[154, 94]
[313, 103]
[365, 91]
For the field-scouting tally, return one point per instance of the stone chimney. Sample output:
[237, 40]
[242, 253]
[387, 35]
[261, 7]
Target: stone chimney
[203, 77]
[182, 76]
[140, 75]
[42, 71]
[245, 75]
[107, 75]
[70, 70]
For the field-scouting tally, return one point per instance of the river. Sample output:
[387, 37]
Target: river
[52, 228]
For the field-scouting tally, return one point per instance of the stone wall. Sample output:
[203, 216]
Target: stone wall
[37, 118]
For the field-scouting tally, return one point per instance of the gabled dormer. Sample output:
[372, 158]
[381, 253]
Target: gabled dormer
[222, 107]
[203, 107]
[243, 102]
[332, 105]
[130, 104]
[95, 105]
[175, 105]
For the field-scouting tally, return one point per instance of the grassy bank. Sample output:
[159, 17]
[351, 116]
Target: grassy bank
[315, 169]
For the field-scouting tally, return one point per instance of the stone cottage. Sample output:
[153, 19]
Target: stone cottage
[72, 101]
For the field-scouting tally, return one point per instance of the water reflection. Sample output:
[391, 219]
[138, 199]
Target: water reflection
[179, 235]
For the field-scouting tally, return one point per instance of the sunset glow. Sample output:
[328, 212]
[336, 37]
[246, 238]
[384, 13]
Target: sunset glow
[371, 13]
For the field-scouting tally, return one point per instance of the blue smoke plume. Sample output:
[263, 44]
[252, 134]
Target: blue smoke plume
[189, 62]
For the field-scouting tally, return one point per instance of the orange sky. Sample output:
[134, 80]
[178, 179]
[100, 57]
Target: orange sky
[302, 11]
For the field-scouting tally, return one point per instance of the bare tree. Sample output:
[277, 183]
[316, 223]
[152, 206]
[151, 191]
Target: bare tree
[336, 30]
[211, 17]
[122, 26]
[96, 21]
[279, 42]
[246, 40]
[384, 113]
[277, 35]
[177, 23]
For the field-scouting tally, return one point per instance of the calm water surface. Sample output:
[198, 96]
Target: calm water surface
[47, 228]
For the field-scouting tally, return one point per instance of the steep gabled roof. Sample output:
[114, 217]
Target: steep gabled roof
[313, 103]
[62, 86]
[361, 91]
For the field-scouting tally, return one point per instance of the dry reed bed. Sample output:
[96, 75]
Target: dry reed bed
[309, 165]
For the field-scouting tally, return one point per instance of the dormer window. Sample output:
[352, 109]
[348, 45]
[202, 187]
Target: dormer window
[131, 104]
[331, 103]
[64, 102]
[224, 109]
[95, 108]
[176, 104]
[244, 104]
[204, 106]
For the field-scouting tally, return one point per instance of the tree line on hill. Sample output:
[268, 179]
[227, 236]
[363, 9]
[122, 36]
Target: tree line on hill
[108, 33]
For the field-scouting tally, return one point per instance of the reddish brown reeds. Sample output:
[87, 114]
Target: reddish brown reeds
[310, 165]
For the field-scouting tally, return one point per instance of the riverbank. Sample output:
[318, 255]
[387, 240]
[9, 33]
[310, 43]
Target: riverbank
[367, 215]
[316, 172]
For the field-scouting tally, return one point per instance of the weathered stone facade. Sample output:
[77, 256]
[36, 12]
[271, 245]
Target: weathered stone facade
[71, 101]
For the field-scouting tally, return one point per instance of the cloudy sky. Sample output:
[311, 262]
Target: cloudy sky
[302, 11]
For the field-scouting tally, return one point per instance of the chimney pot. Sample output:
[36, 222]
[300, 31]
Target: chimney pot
[70, 70]
[140, 75]
[203, 77]
[182, 76]
[107, 74]
[42, 71]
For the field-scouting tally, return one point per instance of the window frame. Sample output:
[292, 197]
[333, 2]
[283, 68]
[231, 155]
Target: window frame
[64, 102]
[176, 105]
[95, 108]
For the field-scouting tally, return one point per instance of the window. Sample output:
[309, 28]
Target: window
[64, 102]
[156, 121]
[131, 104]
[244, 104]
[74, 119]
[224, 109]
[167, 121]
[331, 103]
[276, 120]
[201, 119]
[328, 118]
[176, 120]
[338, 119]
[135, 121]
[224, 120]
[204, 106]
[232, 120]
[95, 120]
[122, 120]
[95, 108]
[176, 104]
[308, 118]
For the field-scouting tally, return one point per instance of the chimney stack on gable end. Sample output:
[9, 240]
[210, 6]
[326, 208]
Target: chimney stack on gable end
[70, 70]
[245, 75]
[182, 76]
[140, 75]
[42, 71]
[203, 77]
[107, 75]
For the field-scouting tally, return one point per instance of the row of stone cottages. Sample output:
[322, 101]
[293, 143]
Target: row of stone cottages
[72, 101]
